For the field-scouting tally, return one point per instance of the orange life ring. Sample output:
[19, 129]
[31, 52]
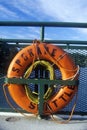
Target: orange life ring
[52, 54]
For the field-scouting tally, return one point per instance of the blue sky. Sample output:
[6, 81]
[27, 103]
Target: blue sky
[43, 10]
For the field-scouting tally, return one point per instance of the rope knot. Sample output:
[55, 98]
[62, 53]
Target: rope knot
[36, 41]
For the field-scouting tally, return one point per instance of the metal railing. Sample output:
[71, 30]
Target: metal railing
[69, 44]
[42, 26]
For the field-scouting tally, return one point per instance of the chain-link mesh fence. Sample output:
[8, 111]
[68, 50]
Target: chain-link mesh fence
[80, 58]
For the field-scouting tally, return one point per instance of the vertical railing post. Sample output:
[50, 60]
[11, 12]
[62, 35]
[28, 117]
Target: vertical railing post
[42, 33]
[41, 98]
[67, 46]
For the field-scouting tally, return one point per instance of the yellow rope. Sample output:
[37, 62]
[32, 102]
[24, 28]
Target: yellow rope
[31, 95]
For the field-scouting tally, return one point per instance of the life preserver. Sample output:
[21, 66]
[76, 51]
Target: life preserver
[52, 54]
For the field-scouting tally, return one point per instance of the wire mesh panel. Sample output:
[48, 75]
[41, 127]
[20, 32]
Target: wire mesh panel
[80, 58]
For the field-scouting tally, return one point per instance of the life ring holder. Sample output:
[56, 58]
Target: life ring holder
[51, 54]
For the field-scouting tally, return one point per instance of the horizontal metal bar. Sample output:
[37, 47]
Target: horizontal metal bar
[46, 24]
[47, 41]
[75, 47]
[39, 81]
[62, 46]
[16, 40]
[67, 42]
[6, 109]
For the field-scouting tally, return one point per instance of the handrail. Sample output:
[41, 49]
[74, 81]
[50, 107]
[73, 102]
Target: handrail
[47, 41]
[46, 24]
[42, 25]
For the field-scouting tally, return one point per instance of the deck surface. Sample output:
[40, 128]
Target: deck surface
[15, 121]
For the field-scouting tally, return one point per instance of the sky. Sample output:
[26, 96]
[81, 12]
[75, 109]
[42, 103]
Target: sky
[44, 11]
